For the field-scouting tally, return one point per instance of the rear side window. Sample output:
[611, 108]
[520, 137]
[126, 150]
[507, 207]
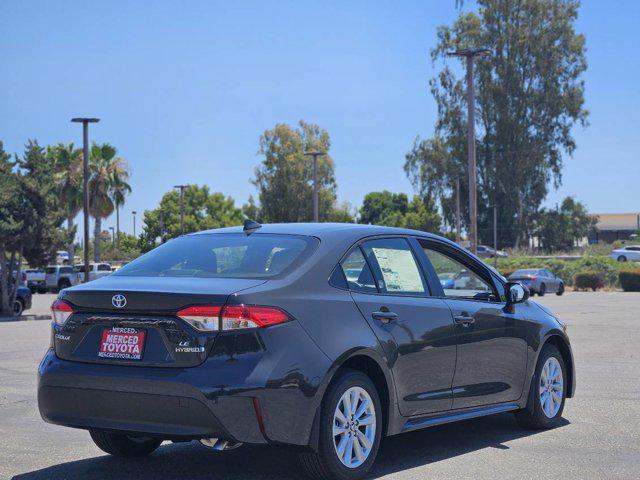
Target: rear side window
[103, 267]
[226, 255]
[357, 272]
[50, 270]
[395, 266]
[66, 270]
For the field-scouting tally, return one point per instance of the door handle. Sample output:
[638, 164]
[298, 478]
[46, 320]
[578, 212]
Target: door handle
[464, 320]
[385, 316]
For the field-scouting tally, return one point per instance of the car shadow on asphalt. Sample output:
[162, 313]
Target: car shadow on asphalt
[189, 460]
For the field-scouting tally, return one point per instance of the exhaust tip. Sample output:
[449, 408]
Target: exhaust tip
[219, 444]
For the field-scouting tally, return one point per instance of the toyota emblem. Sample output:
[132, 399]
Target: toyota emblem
[119, 300]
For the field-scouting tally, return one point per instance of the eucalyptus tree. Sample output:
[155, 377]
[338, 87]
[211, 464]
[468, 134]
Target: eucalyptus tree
[530, 95]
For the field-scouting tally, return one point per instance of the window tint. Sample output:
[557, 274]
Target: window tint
[103, 267]
[222, 255]
[66, 270]
[357, 272]
[50, 270]
[394, 265]
[456, 279]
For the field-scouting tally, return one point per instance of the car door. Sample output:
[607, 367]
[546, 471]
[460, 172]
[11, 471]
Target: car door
[491, 346]
[415, 329]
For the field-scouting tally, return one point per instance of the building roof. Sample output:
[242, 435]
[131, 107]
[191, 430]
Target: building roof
[617, 221]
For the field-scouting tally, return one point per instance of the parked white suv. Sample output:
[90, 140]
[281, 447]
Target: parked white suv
[96, 270]
[630, 253]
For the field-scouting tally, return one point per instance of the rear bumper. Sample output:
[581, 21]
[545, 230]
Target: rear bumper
[256, 397]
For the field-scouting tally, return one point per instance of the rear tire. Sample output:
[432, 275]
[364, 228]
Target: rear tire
[544, 385]
[326, 463]
[18, 307]
[121, 445]
[622, 258]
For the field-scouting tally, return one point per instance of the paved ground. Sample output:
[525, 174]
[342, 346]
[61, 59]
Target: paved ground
[600, 439]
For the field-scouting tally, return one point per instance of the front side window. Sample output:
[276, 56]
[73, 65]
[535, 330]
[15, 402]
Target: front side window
[225, 255]
[394, 266]
[457, 280]
[103, 267]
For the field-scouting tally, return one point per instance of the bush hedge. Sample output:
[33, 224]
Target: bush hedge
[630, 279]
[606, 267]
[588, 281]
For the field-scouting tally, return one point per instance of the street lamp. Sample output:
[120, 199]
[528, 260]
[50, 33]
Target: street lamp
[181, 187]
[470, 54]
[315, 154]
[134, 223]
[85, 186]
[113, 237]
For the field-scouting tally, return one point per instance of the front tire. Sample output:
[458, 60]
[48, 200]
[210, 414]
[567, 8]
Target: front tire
[121, 445]
[543, 290]
[560, 290]
[622, 258]
[350, 429]
[547, 394]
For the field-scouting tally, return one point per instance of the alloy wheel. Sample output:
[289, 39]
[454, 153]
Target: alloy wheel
[354, 427]
[551, 387]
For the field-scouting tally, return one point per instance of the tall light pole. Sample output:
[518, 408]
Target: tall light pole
[458, 210]
[113, 237]
[85, 187]
[181, 187]
[134, 223]
[315, 154]
[470, 54]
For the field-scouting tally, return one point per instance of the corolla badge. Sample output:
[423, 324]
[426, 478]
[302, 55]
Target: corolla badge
[119, 300]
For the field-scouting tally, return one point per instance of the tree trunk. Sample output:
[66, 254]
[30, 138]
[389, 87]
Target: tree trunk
[96, 239]
[117, 229]
[5, 309]
[71, 246]
[16, 280]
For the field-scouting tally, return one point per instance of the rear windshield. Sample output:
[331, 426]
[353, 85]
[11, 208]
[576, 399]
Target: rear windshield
[222, 255]
[526, 272]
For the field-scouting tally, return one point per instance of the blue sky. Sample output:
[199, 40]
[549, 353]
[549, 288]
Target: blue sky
[184, 89]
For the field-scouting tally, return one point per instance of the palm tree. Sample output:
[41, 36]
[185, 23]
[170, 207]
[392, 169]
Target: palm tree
[67, 164]
[119, 190]
[109, 174]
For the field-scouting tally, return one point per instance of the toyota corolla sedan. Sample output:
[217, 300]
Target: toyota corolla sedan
[319, 337]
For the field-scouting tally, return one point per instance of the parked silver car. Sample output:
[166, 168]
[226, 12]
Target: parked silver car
[538, 280]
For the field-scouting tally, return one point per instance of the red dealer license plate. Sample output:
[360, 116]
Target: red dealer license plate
[122, 342]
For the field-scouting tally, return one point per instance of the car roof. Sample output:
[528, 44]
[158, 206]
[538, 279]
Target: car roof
[322, 230]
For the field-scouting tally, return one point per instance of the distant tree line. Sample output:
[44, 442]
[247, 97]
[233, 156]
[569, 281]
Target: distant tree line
[40, 196]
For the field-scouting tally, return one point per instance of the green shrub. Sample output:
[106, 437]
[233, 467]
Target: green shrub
[630, 279]
[505, 272]
[588, 281]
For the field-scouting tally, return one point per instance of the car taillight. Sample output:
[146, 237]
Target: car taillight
[61, 311]
[251, 316]
[205, 318]
[534, 277]
[209, 318]
[24, 278]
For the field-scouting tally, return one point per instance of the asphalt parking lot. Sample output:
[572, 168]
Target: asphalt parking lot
[600, 438]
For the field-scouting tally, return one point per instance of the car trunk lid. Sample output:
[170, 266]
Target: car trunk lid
[132, 320]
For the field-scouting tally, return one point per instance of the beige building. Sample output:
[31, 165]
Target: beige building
[615, 226]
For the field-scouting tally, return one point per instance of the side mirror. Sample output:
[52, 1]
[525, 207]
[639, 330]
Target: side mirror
[516, 293]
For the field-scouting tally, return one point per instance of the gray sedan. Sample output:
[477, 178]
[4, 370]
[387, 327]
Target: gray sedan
[539, 280]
